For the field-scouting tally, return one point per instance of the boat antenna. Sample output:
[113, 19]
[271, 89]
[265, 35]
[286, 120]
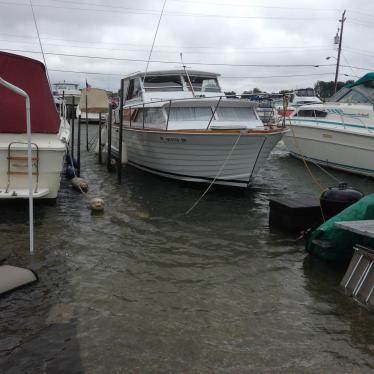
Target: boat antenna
[154, 40]
[40, 43]
[186, 72]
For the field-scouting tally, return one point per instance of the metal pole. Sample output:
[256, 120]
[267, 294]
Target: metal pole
[120, 137]
[109, 143]
[214, 112]
[339, 50]
[167, 120]
[72, 127]
[29, 156]
[100, 154]
[79, 147]
[86, 123]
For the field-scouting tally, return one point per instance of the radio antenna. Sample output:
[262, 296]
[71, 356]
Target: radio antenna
[154, 40]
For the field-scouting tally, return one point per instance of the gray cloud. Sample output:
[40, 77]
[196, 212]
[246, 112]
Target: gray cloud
[291, 32]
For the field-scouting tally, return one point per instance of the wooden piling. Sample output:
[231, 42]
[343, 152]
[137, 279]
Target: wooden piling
[109, 140]
[79, 148]
[119, 160]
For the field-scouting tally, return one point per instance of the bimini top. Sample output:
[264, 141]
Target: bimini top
[367, 78]
[30, 76]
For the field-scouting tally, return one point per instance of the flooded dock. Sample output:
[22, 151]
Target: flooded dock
[144, 288]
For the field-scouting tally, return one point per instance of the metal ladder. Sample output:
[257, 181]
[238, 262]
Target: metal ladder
[358, 280]
[21, 158]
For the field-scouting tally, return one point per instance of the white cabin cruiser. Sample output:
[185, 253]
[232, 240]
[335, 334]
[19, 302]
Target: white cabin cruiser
[338, 134]
[50, 132]
[180, 125]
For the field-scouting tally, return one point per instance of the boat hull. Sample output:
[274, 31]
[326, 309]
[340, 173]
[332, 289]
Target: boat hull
[14, 172]
[230, 158]
[343, 150]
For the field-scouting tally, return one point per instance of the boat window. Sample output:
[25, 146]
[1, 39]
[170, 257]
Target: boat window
[354, 97]
[311, 113]
[235, 114]
[163, 83]
[320, 113]
[203, 84]
[151, 115]
[305, 92]
[305, 113]
[190, 114]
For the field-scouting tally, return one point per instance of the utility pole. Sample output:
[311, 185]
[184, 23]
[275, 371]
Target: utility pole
[342, 20]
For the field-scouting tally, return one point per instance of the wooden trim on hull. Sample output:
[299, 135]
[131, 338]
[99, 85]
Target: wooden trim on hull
[243, 132]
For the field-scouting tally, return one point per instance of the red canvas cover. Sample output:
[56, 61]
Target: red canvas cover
[30, 76]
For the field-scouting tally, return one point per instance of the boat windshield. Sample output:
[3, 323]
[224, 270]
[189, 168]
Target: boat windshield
[235, 114]
[163, 83]
[203, 84]
[150, 115]
[190, 114]
[354, 97]
[307, 92]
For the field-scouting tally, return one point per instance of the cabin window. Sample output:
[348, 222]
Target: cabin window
[151, 115]
[305, 113]
[163, 83]
[311, 113]
[235, 114]
[354, 97]
[190, 114]
[203, 84]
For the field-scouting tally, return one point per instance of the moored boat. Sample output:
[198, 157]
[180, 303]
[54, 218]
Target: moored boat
[180, 125]
[337, 134]
[50, 132]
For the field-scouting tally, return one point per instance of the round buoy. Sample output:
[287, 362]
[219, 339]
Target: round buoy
[97, 204]
[79, 184]
[336, 199]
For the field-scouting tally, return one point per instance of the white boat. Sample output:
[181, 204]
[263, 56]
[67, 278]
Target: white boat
[180, 125]
[50, 132]
[296, 98]
[338, 134]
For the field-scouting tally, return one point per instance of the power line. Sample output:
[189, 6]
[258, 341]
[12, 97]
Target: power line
[293, 47]
[170, 62]
[220, 52]
[222, 77]
[252, 6]
[174, 14]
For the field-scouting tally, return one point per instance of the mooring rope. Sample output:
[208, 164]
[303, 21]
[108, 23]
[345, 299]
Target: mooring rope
[215, 178]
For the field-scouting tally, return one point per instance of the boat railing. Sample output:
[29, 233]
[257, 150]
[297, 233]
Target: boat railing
[131, 108]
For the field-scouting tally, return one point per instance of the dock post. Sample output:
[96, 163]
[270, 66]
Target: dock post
[109, 140]
[72, 118]
[120, 137]
[100, 153]
[87, 148]
[79, 148]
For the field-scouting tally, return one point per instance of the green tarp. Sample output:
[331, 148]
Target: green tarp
[333, 244]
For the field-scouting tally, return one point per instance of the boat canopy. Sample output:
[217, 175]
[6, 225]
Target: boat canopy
[30, 76]
[97, 101]
[369, 77]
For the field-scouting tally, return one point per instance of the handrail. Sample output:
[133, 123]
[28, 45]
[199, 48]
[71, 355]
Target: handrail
[184, 99]
[143, 105]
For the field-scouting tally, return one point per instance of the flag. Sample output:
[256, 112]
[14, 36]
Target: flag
[88, 87]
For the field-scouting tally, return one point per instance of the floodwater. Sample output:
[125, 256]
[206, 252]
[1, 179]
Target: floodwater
[144, 288]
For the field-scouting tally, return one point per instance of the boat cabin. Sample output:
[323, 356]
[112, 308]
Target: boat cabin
[170, 84]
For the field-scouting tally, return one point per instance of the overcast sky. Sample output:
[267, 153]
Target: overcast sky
[214, 35]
